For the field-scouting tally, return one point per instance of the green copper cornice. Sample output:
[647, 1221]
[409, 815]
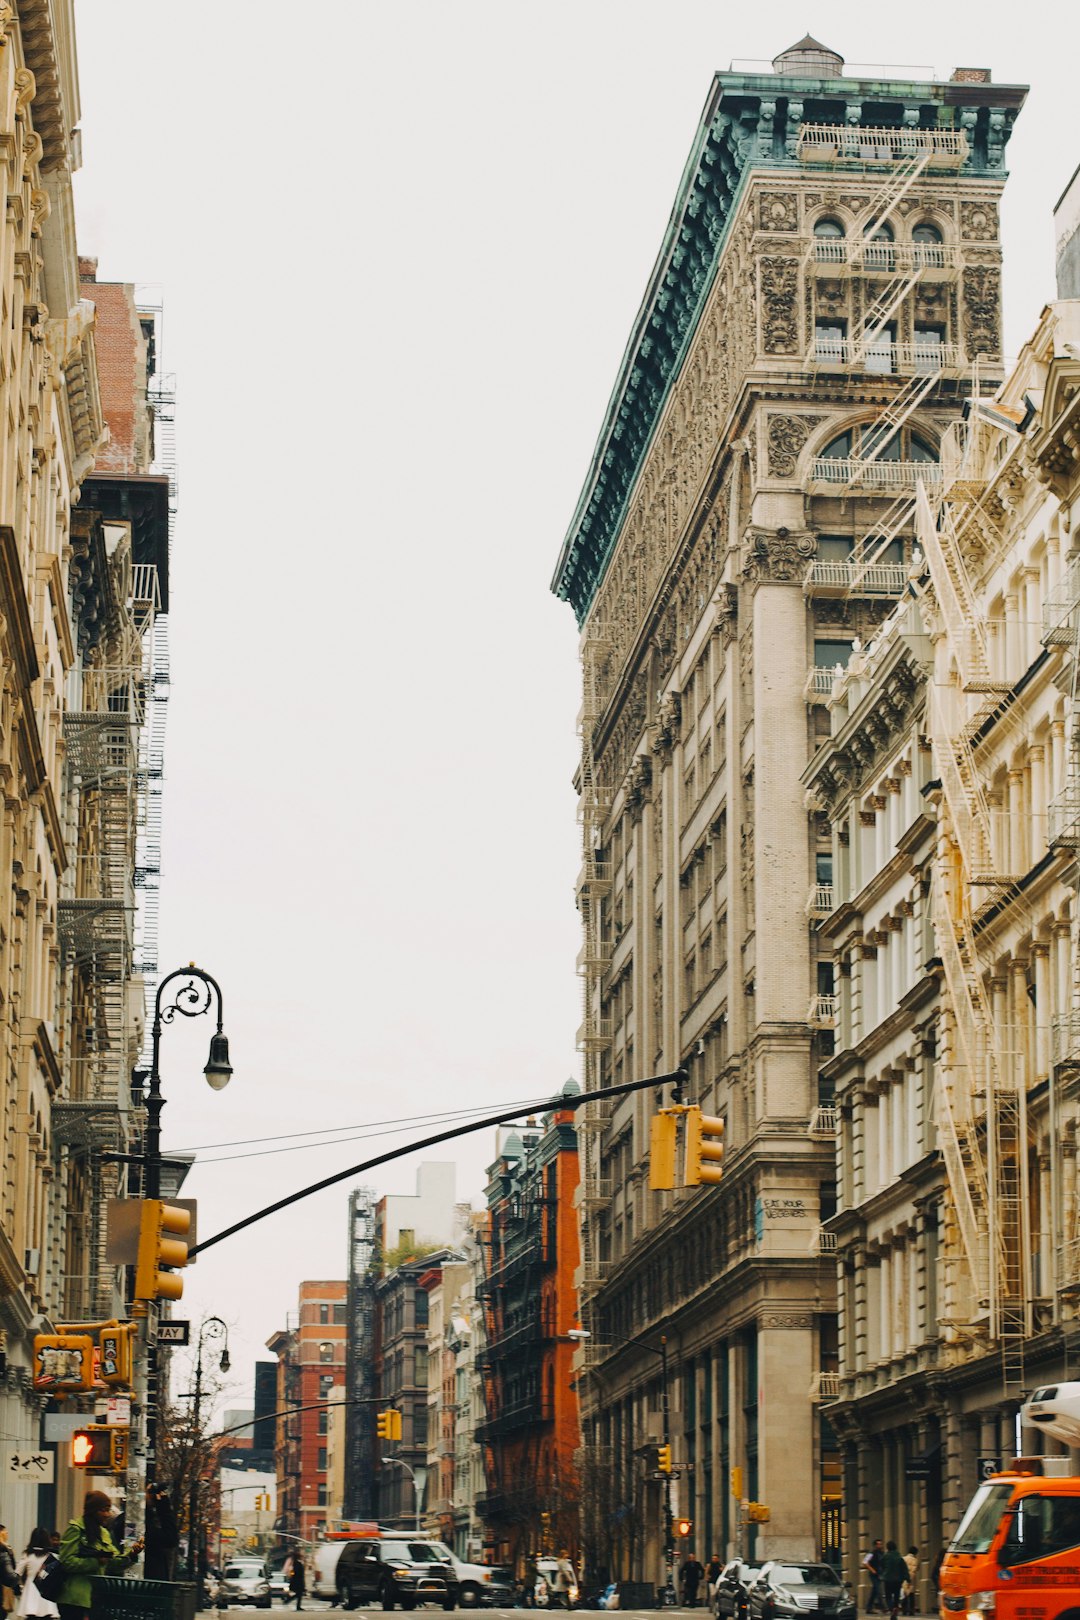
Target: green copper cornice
[750, 123]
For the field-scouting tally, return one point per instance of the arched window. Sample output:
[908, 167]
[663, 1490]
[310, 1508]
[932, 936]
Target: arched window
[828, 241]
[861, 441]
[928, 247]
[926, 233]
[879, 253]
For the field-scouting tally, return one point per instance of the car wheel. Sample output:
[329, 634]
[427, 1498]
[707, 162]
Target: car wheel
[386, 1595]
[470, 1595]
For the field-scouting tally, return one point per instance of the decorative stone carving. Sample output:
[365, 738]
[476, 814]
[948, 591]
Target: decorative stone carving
[32, 150]
[778, 556]
[25, 88]
[796, 1321]
[779, 309]
[666, 725]
[778, 211]
[978, 221]
[726, 602]
[638, 782]
[982, 310]
[40, 204]
[786, 436]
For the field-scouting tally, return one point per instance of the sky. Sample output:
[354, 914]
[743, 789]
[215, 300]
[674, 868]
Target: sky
[399, 248]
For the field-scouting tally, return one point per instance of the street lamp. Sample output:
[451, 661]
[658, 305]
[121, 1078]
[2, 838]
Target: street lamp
[418, 1475]
[212, 1328]
[579, 1335]
[191, 1000]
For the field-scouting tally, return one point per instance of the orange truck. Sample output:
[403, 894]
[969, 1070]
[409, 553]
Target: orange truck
[1016, 1554]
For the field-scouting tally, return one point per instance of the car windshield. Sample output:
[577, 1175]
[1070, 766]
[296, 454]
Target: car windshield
[242, 1572]
[396, 1550]
[803, 1575]
[979, 1524]
[425, 1552]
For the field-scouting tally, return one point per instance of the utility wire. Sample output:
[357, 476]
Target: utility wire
[375, 1125]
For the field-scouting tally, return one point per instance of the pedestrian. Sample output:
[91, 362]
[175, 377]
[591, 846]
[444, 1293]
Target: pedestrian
[531, 1576]
[712, 1575]
[566, 1583]
[690, 1575]
[38, 1553]
[162, 1536]
[88, 1550]
[894, 1573]
[9, 1580]
[872, 1563]
[297, 1584]
[911, 1559]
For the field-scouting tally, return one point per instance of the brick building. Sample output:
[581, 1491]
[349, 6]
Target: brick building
[311, 1369]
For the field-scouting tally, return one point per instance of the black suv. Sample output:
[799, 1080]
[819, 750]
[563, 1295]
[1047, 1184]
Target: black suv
[395, 1568]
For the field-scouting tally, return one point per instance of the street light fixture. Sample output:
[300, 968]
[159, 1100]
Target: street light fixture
[579, 1335]
[220, 1330]
[418, 1475]
[191, 999]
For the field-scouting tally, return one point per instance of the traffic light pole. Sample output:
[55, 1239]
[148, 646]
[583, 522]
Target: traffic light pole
[669, 1538]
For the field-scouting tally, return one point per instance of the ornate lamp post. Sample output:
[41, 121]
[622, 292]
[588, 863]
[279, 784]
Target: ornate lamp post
[418, 1475]
[191, 999]
[212, 1328]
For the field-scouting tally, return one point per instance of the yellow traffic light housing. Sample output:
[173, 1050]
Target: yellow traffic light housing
[662, 1138]
[663, 1459]
[684, 1528]
[704, 1148]
[159, 1250]
[388, 1425]
[758, 1513]
[115, 1354]
[63, 1363]
[737, 1483]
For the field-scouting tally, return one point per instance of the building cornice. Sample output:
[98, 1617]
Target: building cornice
[749, 123]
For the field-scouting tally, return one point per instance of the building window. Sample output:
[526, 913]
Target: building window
[420, 1316]
[880, 348]
[341, 1314]
[326, 1350]
[420, 1426]
[321, 1463]
[322, 1496]
[326, 1383]
[830, 341]
[827, 654]
[420, 1366]
[324, 1423]
[929, 342]
[324, 1315]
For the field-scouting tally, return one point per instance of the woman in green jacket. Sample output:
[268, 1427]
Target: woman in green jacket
[87, 1549]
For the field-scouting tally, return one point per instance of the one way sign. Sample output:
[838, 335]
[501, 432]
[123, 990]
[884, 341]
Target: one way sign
[174, 1332]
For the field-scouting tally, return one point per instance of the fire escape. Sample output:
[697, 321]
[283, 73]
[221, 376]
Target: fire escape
[593, 890]
[981, 1090]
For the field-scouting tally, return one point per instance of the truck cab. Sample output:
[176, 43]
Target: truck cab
[1016, 1554]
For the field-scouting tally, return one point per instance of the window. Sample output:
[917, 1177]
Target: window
[904, 445]
[879, 351]
[830, 341]
[420, 1365]
[929, 341]
[926, 232]
[420, 1313]
[827, 654]
[326, 1383]
[321, 1463]
[823, 866]
[324, 1423]
[420, 1426]
[829, 243]
[341, 1314]
[1043, 1525]
[879, 252]
[326, 1350]
[828, 228]
[834, 547]
[322, 1496]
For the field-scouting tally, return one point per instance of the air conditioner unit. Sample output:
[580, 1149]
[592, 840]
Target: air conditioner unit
[32, 1262]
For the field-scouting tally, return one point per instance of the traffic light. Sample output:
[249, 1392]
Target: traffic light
[736, 1483]
[96, 1447]
[704, 1148]
[158, 1250]
[684, 1528]
[758, 1513]
[663, 1459]
[662, 1137]
[63, 1363]
[388, 1425]
[114, 1354]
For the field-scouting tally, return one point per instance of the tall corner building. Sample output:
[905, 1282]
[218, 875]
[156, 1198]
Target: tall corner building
[826, 296]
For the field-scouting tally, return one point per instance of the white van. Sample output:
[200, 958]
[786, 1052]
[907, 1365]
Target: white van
[325, 1562]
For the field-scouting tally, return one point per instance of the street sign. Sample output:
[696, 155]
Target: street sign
[228, 1533]
[988, 1466]
[118, 1410]
[917, 1468]
[174, 1332]
[31, 1467]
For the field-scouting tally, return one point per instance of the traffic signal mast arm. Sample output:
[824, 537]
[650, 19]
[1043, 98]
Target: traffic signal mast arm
[560, 1102]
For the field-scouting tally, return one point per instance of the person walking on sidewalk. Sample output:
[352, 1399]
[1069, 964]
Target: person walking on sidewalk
[911, 1585]
[872, 1563]
[86, 1550]
[297, 1581]
[894, 1572]
[38, 1553]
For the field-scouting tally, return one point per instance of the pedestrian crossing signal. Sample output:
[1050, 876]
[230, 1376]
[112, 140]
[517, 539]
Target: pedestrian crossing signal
[684, 1528]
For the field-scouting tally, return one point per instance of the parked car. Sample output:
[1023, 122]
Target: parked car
[482, 1584]
[392, 1569]
[784, 1589]
[730, 1600]
[245, 1580]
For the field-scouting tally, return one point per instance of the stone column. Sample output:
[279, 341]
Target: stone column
[1043, 1008]
[788, 1479]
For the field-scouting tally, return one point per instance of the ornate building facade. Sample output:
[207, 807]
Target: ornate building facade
[952, 786]
[79, 593]
[830, 274]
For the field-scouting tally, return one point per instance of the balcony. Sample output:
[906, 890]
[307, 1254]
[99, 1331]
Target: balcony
[1065, 1039]
[821, 1013]
[856, 579]
[859, 146]
[820, 681]
[824, 1121]
[825, 1387]
[833, 475]
[595, 1035]
[822, 1241]
[819, 902]
[594, 876]
[1059, 628]
[882, 359]
[1063, 819]
[856, 255]
[595, 1194]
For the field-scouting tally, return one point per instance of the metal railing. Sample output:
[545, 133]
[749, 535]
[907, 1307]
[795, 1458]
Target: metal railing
[888, 476]
[824, 1121]
[870, 579]
[825, 1387]
[1058, 628]
[1065, 1038]
[820, 681]
[883, 359]
[819, 901]
[822, 1012]
[856, 143]
[875, 258]
[1063, 819]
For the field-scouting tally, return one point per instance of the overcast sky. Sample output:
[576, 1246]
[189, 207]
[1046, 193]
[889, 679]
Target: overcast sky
[400, 247]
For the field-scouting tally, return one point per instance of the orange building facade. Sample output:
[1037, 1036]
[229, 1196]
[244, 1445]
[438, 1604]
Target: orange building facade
[531, 1429]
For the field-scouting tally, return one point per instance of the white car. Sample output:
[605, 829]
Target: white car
[482, 1583]
[244, 1580]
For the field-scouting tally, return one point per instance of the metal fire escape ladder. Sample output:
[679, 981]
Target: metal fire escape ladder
[867, 555]
[995, 1176]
